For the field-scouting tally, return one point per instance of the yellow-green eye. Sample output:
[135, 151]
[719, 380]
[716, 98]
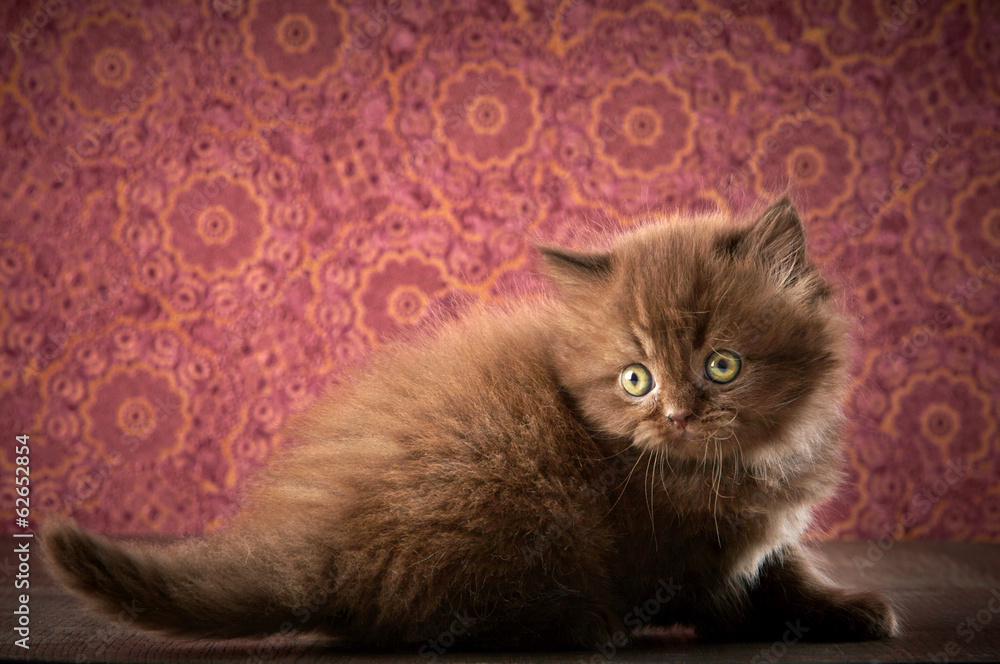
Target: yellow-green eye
[637, 380]
[722, 366]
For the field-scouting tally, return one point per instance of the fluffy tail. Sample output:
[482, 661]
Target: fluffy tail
[219, 587]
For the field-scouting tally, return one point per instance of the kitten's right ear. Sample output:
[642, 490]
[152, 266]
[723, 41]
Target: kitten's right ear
[571, 268]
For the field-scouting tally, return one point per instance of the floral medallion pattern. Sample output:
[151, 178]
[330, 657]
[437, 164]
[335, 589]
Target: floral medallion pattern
[487, 115]
[642, 125]
[294, 42]
[104, 63]
[211, 210]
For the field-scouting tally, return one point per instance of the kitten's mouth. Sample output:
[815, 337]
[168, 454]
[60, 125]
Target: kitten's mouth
[693, 428]
[688, 433]
[695, 440]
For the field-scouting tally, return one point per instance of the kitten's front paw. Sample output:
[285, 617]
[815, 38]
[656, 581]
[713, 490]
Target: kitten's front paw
[603, 630]
[838, 617]
[861, 617]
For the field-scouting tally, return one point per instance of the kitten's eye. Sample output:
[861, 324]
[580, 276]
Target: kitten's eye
[722, 366]
[637, 380]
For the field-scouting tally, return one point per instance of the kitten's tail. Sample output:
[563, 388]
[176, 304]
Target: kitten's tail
[219, 586]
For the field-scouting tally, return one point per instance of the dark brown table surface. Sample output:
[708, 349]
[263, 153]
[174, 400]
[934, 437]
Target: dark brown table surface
[944, 590]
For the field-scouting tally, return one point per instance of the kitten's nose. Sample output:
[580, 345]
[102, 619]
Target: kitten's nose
[680, 418]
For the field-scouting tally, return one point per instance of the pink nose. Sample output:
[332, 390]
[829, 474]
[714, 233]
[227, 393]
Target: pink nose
[680, 418]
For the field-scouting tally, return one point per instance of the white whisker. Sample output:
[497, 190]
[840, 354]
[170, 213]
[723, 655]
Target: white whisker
[649, 499]
[624, 484]
[715, 505]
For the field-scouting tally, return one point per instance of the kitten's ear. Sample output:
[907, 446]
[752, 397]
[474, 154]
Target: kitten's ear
[776, 239]
[779, 236]
[570, 268]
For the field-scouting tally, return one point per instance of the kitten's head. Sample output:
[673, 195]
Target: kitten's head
[702, 336]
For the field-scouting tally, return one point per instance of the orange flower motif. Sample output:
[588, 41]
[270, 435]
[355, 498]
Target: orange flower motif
[295, 41]
[642, 125]
[396, 296]
[109, 66]
[487, 115]
[214, 225]
[138, 413]
[812, 155]
[944, 414]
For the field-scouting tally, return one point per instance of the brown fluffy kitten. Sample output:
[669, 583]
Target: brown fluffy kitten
[644, 448]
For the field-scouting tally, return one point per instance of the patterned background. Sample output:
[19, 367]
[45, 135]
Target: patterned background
[208, 209]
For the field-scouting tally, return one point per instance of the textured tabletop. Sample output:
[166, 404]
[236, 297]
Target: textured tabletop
[948, 593]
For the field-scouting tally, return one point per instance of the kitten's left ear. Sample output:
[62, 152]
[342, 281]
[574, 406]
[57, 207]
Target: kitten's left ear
[777, 240]
[574, 269]
[779, 236]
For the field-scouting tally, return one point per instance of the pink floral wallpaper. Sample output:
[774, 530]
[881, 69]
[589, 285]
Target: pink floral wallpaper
[210, 208]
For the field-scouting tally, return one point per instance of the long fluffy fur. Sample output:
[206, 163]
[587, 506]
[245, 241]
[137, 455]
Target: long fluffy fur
[494, 476]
